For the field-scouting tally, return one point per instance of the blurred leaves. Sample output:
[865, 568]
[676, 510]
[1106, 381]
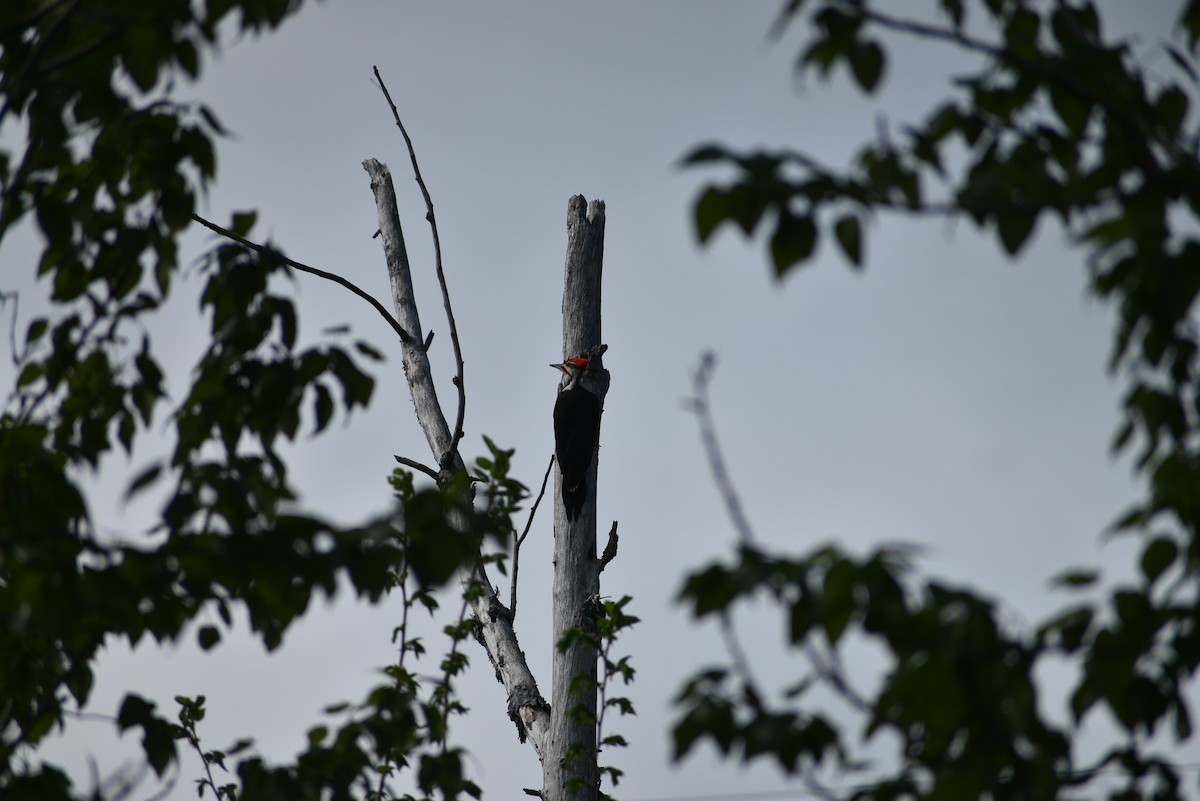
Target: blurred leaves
[109, 172]
[1056, 122]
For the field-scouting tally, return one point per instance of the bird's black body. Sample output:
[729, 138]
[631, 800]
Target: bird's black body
[576, 430]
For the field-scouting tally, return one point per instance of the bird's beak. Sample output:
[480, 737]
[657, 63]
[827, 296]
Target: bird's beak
[561, 368]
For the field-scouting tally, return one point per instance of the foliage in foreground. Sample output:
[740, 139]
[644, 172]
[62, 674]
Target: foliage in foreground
[1057, 122]
[82, 82]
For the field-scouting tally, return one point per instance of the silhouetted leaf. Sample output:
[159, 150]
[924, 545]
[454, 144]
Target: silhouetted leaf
[1075, 578]
[793, 241]
[866, 61]
[208, 637]
[143, 480]
[1014, 229]
[849, 237]
[711, 210]
[1158, 556]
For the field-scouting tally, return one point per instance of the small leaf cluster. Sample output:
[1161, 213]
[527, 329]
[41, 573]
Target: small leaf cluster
[611, 618]
[1056, 120]
[503, 495]
[958, 696]
[442, 531]
[399, 732]
[191, 712]
[405, 724]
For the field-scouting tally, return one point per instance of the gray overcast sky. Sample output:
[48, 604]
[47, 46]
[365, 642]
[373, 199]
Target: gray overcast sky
[946, 397]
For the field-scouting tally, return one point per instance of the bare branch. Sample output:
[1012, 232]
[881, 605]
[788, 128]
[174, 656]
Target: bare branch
[830, 670]
[337, 279]
[814, 786]
[737, 654]
[512, 606]
[437, 253]
[699, 405]
[415, 465]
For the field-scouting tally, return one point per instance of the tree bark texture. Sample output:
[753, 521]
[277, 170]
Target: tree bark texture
[576, 568]
[526, 707]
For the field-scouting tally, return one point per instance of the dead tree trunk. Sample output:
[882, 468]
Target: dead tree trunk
[564, 732]
[569, 769]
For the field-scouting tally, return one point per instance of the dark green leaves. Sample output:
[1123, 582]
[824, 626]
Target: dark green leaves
[158, 735]
[1014, 229]
[109, 173]
[208, 637]
[1075, 578]
[1056, 122]
[955, 682]
[838, 39]
[710, 212]
[435, 548]
[761, 192]
[1074, 111]
[792, 242]
[1157, 558]
[866, 62]
[1171, 110]
[849, 237]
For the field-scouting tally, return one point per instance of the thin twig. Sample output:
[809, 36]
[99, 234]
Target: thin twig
[733, 505]
[124, 782]
[168, 786]
[830, 670]
[337, 279]
[193, 739]
[93, 716]
[27, 409]
[405, 605]
[512, 598]
[447, 675]
[602, 693]
[741, 664]
[814, 786]
[415, 465]
[437, 253]
[700, 406]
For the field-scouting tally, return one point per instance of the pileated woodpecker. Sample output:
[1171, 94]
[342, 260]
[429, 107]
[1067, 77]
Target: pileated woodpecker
[576, 429]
